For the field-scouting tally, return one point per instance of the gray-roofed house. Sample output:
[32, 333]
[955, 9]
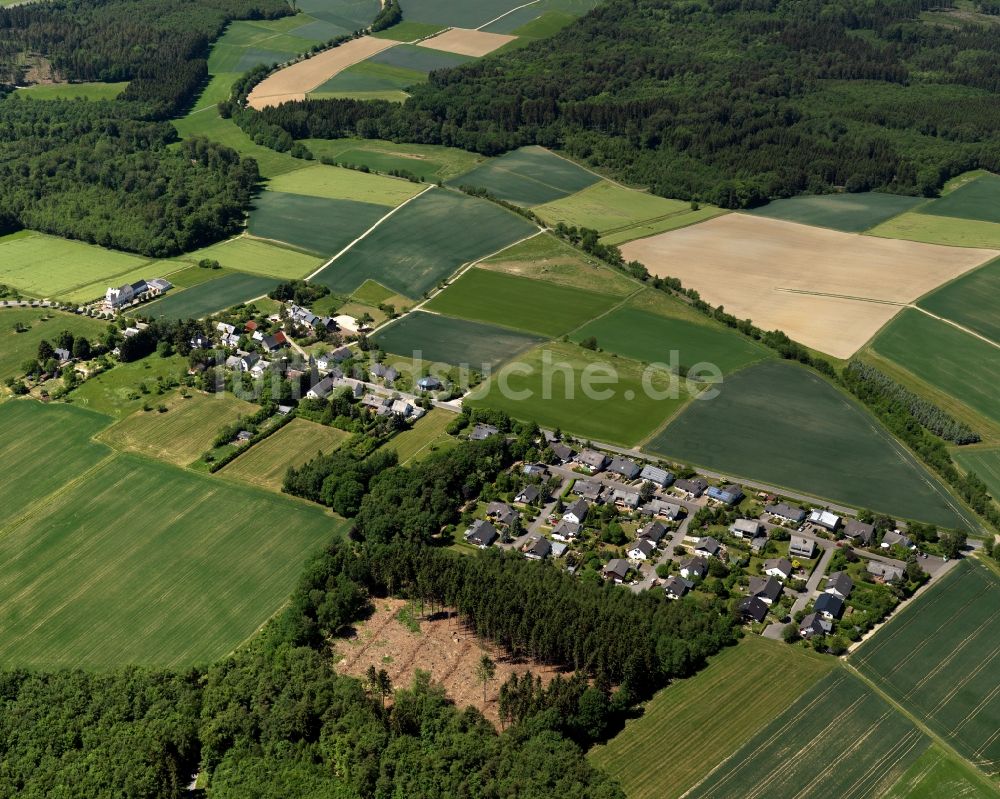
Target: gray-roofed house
[896, 538]
[275, 342]
[707, 547]
[589, 489]
[693, 488]
[676, 587]
[814, 624]
[840, 584]
[656, 475]
[753, 609]
[535, 470]
[654, 531]
[694, 567]
[726, 494]
[577, 512]
[758, 543]
[562, 452]
[322, 389]
[766, 589]
[429, 383]
[483, 431]
[624, 498]
[862, 532]
[662, 508]
[800, 547]
[617, 569]
[383, 372]
[628, 469]
[538, 548]
[592, 459]
[829, 606]
[778, 567]
[502, 513]
[745, 528]
[248, 361]
[558, 549]
[885, 572]
[823, 518]
[482, 534]
[786, 512]
[565, 531]
[641, 549]
[527, 495]
[63, 355]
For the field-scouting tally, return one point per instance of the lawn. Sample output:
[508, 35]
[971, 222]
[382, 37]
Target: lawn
[702, 720]
[427, 436]
[782, 424]
[128, 386]
[588, 394]
[180, 434]
[978, 199]
[265, 464]
[211, 297]
[528, 176]
[971, 300]
[428, 161]
[369, 76]
[954, 361]
[937, 659]
[985, 462]
[851, 213]
[425, 242]
[452, 341]
[940, 230]
[335, 183]
[247, 255]
[315, 224]
[838, 740]
[42, 324]
[652, 338]
[72, 91]
[519, 302]
[51, 267]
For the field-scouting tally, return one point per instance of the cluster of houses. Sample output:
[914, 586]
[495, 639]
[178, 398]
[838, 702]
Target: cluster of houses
[861, 533]
[115, 299]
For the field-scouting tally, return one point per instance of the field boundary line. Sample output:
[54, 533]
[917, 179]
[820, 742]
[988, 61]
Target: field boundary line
[874, 300]
[368, 232]
[956, 325]
[504, 14]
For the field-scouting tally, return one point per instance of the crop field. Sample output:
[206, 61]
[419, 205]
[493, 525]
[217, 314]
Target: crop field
[369, 77]
[351, 15]
[519, 302]
[315, 224]
[419, 59]
[265, 464]
[850, 213]
[651, 337]
[782, 424]
[853, 284]
[334, 183]
[208, 298]
[979, 199]
[529, 176]
[128, 386]
[71, 91]
[251, 257]
[972, 301]
[459, 15]
[541, 27]
[427, 436]
[453, 341]
[838, 740]
[430, 162]
[549, 385]
[938, 659]
[42, 324]
[409, 31]
[467, 42]
[702, 720]
[984, 461]
[49, 267]
[940, 230]
[541, 19]
[182, 433]
[935, 775]
[954, 361]
[425, 242]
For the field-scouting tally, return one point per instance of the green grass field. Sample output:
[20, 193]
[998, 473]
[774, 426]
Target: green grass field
[409, 31]
[453, 341]
[51, 267]
[985, 462]
[425, 242]
[937, 775]
[838, 740]
[43, 324]
[528, 176]
[519, 302]
[369, 76]
[418, 59]
[318, 225]
[547, 385]
[250, 257]
[72, 91]
[458, 15]
[977, 199]
[971, 300]
[850, 213]
[335, 183]
[119, 391]
[372, 293]
[208, 123]
[548, 24]
[428, 161]
[541, 19]
[954, 361]
[208, 298]
[940, 230]
[182, 433]
[427, 436]
[265, 464]
[702, 720]
[651, 337]
[782, 424]
[938, 659]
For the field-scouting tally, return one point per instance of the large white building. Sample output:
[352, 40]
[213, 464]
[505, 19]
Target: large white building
[123, 296]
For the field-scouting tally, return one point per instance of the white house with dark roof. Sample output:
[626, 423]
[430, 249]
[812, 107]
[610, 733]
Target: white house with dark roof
[676, 587]
[482, 534]
[814, 624]
[707, 547]
[778, 567]
[641, 549]
[527, 495]
[654, 531]
[565, 531]
[839, 584]
[694, 567]
[577, 512]
[766, 589]
[537, 549]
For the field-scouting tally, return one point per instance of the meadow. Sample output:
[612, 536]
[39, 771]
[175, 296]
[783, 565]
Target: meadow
[369, 76]
[977, 199]
[953, 361]
[850, 213]
[265, 464]
[71, 91]
[937, 660]
[207, 122]
[427, 161]
[781, 423]
[459, 15]
[971, 300]
[335, 183]
[427, 436]
[43, 325]
[984, 461]
[247, 256]
[128, 386]
[522, 303]
[321, 226]
[545, 385]
[700, 721]
[210, 297]
[528, 176]
[940, 230]
[542, 19]
[838, 740]
[180, 434]
[424, 242]
[452, 341]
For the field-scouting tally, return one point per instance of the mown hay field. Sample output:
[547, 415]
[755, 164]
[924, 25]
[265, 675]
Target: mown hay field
[428, 161]
[248, 256]
[463, 15]
[938, 659]
[522, 303]
[850, 213]
[782, 424]
[698, 722]
[465, 41]
[335, 183]
[424, 242]
[42, 325]
[916, 226]
[128, 386]
[180, 434]
[541, 19]
[427, 436]
[826, 289]
[71, 91]
[528, 176]
[936, 774]
[214, 295]
[972, 301]
[299, 441]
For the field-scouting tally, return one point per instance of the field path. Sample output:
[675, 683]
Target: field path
[963, 328]
[506, 13]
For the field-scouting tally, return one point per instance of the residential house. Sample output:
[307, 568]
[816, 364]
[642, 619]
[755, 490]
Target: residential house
[894, 538]
[558, 549]
[481, 533]
[116, 298]
[429, 383]
[885, 572]
[226, 329]
[592, 459]
[483, 431]
[662, 509]
[861, 532]
[565, 531]
[537, 549]
[814, 624]
[786, 512]
[275, 342]
[758, 543]
[233, 362]
[260, 367]
[243, 436]
[676, 587]
[694, 567]
[825, 519]
[839, 584]
[535, 470]
[766, 589]
[379, 371]
[527, 495]
[657, 476]
[617, 569]
[63, 355]
[642, 549]
[329, 360]
[502, 513]
[406, 409]
[577, 512]
[753, 609]
[589, 489]
[654, 531]
[707, 547]
[800, 547]
[562, 452]
[778, 567]
[829, 606]
[322, 389]
[248, 361]
[746, 528]
[628, 469]
[625, 499]
[693, 488]
[726, 494]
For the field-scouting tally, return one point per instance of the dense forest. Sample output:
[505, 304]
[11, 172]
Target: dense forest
[729, 101]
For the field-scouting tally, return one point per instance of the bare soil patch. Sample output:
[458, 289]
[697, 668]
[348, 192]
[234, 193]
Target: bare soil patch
[293, 82]
[445, 647]
[828, 290]
[465, 41]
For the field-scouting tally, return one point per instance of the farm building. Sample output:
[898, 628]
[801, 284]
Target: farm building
[123, 296]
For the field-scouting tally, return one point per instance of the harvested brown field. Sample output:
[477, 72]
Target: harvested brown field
[445, 647]
[465, 41]
[293, 82]
[828, 290]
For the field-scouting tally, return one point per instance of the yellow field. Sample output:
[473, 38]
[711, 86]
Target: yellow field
[464, 41]
[829, 290]
[299, 441]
